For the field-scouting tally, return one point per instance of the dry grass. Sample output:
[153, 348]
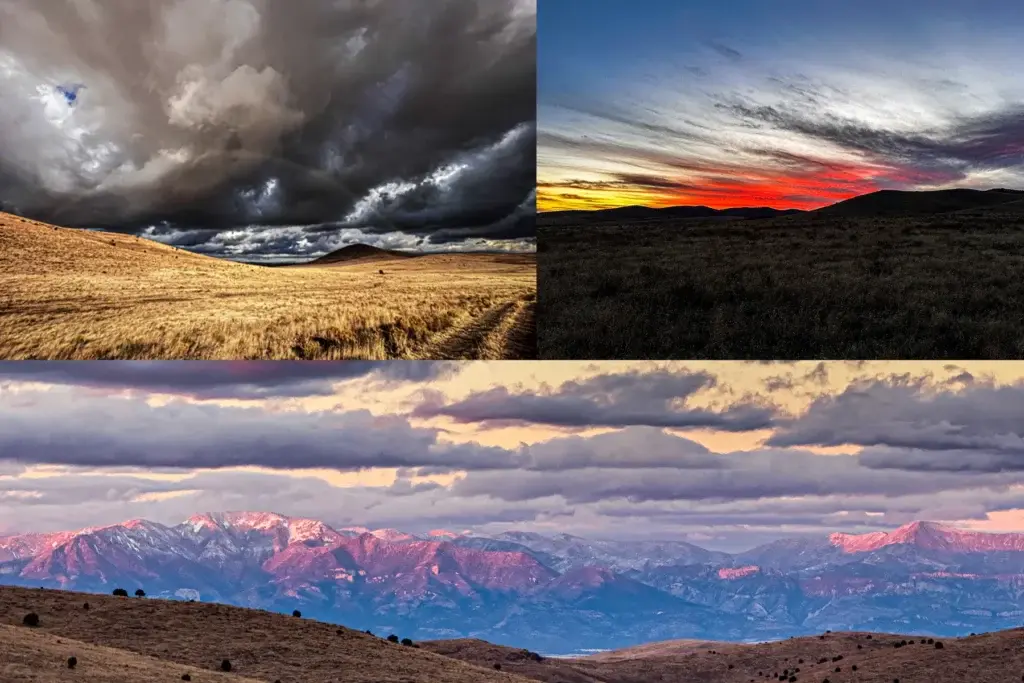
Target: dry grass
[70, 294]
[948, 286]
[32, 655]
[158, 640]
[141, 639]
[988, 658]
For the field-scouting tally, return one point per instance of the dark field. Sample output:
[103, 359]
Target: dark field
[810, 286]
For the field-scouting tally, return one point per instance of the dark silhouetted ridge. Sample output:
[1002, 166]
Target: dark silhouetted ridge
[903, 202]
[646, 213]
[361, 252]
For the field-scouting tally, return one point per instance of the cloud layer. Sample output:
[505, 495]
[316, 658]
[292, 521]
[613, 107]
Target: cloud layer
[213, 124]
[727, 453]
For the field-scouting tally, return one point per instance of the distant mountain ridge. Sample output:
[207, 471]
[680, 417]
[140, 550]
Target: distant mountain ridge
[646, 213]
[902, 202]
[874, 204]
[559, 593]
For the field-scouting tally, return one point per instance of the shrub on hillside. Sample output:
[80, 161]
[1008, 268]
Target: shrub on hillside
[85, 606]
[31, 619]
[72, 662]
[938, 645]
[406, 641]
[186, 677]
[139, 593]
[225, 665]
[296, 613]
[121, 592]
[392, 638]
[497, 667]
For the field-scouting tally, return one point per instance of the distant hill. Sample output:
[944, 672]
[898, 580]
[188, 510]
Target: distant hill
[646, 213]
[904, 202]
[361, 252]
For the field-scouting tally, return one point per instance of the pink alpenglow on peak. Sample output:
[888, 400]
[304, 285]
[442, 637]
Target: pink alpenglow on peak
[392, 535]
[931, 536]
[737, 572]
[443, 533]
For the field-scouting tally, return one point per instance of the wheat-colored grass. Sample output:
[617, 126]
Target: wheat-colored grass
[72, 294]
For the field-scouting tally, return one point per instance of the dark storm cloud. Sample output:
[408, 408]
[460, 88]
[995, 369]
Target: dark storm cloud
[655, 399]
[916, 427]
[206, 116]
[223, 379]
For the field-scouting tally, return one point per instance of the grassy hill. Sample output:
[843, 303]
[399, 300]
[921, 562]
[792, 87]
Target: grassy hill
[361, 252]
[80, 295]
[832, 657]
[142, 639]
[130, 640]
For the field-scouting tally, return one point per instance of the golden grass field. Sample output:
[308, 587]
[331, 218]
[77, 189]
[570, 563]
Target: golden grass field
[129, 640]
[73, 294]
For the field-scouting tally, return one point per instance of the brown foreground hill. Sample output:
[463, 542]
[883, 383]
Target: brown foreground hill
[140, 639]
[124, 640]
[828, 658]
[74, 294]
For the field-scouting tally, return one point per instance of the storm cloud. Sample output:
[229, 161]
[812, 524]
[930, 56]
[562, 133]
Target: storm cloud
[210, 124]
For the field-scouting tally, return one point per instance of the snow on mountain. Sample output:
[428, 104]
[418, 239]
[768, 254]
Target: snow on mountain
[523, 587]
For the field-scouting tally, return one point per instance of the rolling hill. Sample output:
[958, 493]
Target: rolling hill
[903, 203]
[145, 640]
[361, 252]
[136, 640]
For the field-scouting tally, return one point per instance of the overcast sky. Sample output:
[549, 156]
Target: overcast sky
[247, 128]
[790, 103]
[726, 455]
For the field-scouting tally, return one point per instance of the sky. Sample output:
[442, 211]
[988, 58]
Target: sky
[256, 129]
[726, 455]
[787, 104]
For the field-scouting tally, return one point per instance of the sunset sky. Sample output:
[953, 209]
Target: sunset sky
[726, 455]
[789, 104]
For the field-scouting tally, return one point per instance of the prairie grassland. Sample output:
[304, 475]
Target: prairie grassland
[71, 294]
[947, 286]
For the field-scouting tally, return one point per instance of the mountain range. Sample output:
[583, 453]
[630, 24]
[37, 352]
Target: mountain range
[557, 593]
[878, 204]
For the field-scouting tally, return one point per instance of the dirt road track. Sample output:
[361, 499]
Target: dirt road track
[505, 332]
